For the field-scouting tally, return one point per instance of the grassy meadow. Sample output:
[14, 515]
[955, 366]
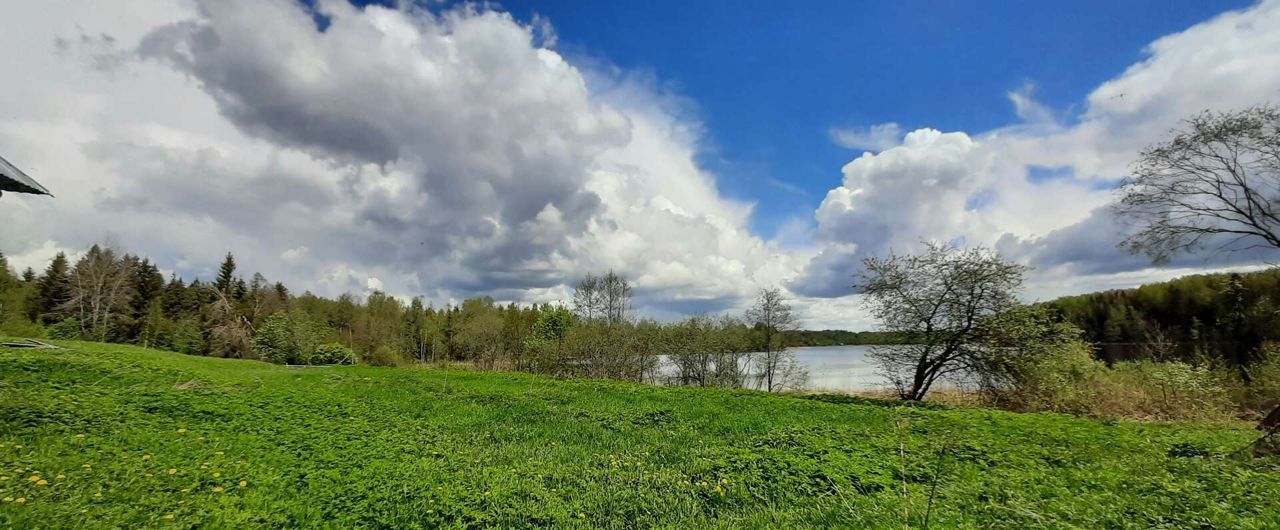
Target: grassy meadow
[111, 436]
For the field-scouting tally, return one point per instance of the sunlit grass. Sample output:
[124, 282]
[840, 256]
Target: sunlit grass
[100, 435]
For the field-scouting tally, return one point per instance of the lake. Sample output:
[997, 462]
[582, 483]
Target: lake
[840, 368]
[831, 369]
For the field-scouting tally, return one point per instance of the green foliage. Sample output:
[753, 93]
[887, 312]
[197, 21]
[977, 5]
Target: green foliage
[288, 338]
[66, 329]
[1067, 379]
[333, 353]
[836, 337]
[362, 447]
[383, 356]
[185, 337]
[1227, 317]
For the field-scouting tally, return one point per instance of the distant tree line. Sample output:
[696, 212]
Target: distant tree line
[1227, 316]
[110, 296]
[838, 337]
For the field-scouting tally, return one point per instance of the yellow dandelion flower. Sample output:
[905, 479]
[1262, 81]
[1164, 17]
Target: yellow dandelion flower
[724, 481]
[21, 500]
[17, 446]
[173, 470]
[148, 475]
[182, 430]
[217, 489]
[244, 483]
[146, 457]
[582, 515]
[98, 494]
[703, 483]
[42, 482]
[168, 516]
[3, 477]
[719, 490]
[87, 466]
[430, 511]
[219, 453]
[79, 436]
[33, 478]
[216, 474]
[8, 499]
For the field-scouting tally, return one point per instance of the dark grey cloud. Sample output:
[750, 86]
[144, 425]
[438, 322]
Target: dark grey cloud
[465, 140]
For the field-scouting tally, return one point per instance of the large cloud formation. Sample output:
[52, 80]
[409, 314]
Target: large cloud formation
[449, 154]
[455, 152]
[1038, 190]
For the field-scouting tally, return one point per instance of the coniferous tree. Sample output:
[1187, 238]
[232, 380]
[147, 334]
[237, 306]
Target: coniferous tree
[148, 285]
[53, 291]
[226, 275]
[8, 281]
[239, 290]
[28, 275]
[174, 299]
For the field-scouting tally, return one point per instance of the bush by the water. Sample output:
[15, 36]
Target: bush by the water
[1068, 379]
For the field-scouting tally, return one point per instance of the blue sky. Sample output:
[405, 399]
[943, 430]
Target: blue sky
[770, 79]
[458, 155]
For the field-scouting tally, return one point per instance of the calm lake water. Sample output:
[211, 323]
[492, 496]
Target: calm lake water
[831, 369]
[840, 368]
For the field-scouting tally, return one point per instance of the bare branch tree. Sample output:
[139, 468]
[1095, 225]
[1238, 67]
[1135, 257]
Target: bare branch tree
[771, 316]
[100, 289]
[938, 301]
[1217, 181]
[605, 298]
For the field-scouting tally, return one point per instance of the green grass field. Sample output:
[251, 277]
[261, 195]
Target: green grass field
[98, 435]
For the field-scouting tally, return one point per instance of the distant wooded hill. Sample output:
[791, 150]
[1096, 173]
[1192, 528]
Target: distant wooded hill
[838, 337]
[1228, 315]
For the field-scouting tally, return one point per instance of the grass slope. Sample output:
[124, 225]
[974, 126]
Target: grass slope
[122, 438]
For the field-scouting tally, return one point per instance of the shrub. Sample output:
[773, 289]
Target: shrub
[1262, 392]
[383, 356]
[186, 337]
[1167, 391]
[1068, 379]
[67, 329]
[17, 325]
[333, 353]
[288, 338]
[1063, 378]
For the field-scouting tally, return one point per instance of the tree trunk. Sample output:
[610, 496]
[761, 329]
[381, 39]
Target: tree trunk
[1272, 422]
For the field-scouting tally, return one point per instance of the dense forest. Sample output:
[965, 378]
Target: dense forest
[1227, 316]
[110, 296]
